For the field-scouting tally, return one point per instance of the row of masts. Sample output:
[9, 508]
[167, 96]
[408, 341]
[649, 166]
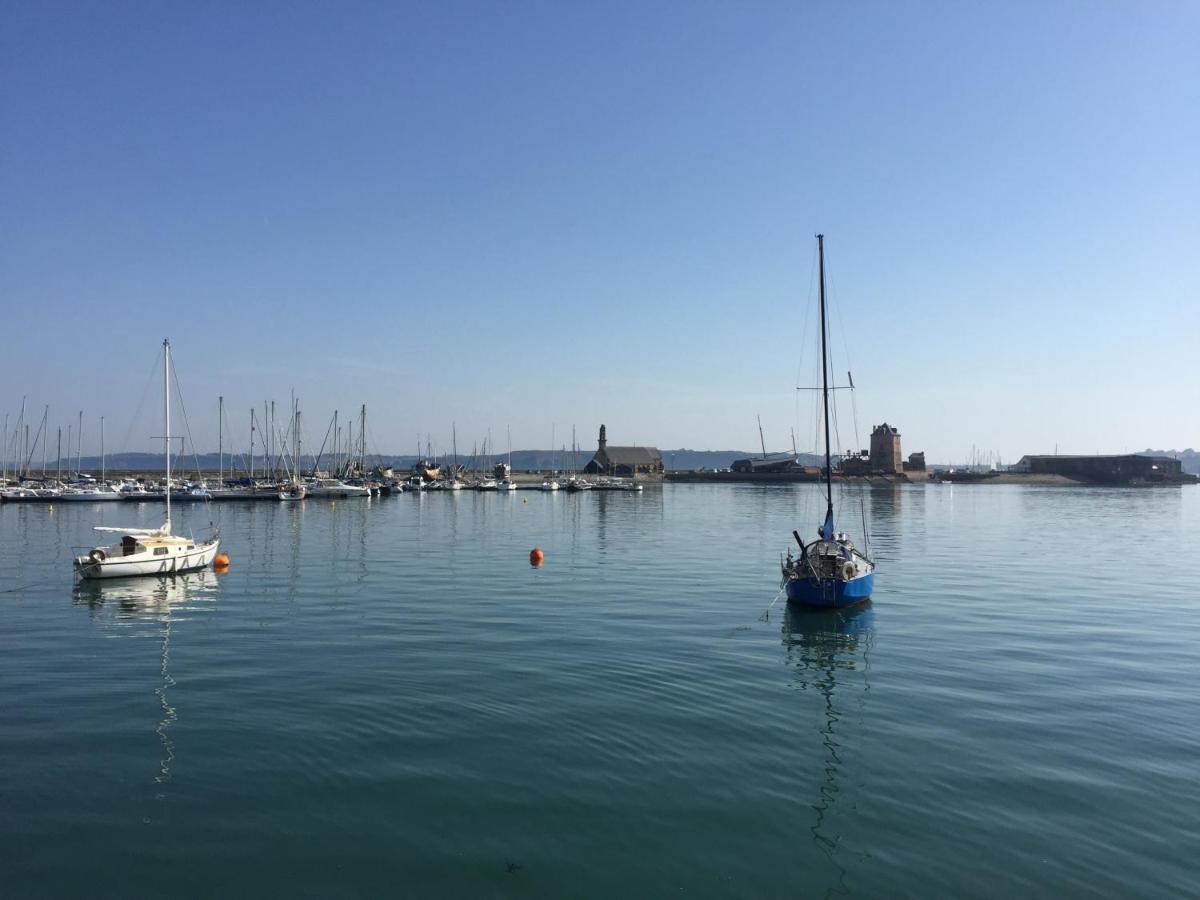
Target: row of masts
[275, 448]
[347, 457]
[22, 462]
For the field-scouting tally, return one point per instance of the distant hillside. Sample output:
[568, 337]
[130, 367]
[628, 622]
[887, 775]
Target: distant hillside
[1189, 458]
[522, 460]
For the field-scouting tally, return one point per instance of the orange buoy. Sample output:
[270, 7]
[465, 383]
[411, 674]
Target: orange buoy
[221, 562]
[536, 556]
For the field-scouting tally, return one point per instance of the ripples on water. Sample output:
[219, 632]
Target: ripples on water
[384, 697]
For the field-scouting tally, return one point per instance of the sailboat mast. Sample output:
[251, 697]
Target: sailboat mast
[58, 476]
[167, 421]
[761, 440]
[825, 386]
[103, 458]
[220, 440]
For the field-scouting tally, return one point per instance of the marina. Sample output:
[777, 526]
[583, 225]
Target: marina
[598, 450]
[303, 711]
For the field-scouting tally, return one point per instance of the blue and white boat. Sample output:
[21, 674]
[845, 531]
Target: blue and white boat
[831, 572]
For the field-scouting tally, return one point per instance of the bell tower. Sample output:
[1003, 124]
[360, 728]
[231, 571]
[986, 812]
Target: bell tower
[603, 438]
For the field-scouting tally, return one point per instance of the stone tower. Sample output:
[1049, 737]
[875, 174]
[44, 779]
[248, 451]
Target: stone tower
[603, 439]
[885, 449]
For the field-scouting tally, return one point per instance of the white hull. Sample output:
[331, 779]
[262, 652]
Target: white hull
[178, 560]
[89, 496]
[508, 486]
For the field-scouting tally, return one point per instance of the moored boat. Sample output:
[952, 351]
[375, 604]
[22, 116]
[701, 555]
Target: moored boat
[144, 551]
[830, 572]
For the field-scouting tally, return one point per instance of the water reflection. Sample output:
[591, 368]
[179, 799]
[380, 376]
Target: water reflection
[829, 653]
[147, 599]
[155, 600]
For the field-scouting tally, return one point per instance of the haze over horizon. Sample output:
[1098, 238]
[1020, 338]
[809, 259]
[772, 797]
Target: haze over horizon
[538, 215]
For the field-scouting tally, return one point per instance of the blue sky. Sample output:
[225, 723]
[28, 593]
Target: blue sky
[532, 214]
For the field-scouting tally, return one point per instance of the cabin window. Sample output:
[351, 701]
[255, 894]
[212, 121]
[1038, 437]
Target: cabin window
[160, 551]
[191, 546]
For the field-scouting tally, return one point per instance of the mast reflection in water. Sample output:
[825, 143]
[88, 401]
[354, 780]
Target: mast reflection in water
[830, 654]
[162, 601]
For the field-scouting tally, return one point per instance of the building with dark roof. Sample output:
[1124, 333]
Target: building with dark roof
[625, 461]
[1116, 469]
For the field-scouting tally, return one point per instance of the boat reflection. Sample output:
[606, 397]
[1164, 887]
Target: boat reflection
[157, 600]
[147, 598]
[829, 652]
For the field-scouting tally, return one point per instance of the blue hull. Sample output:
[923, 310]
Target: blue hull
[830, 593]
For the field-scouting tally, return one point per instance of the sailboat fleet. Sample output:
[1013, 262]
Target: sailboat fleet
[828, 572]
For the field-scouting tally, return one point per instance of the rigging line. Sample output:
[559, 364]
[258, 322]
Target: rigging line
[808, 308]
[837, 308]
[155, 370]
[187, 426]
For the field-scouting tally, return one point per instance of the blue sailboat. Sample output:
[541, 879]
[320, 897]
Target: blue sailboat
[830, 572]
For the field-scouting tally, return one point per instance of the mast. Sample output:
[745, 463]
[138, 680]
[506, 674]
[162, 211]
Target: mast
[828, 526]
[296, 438]
[362, 442]
[454, 450]
[167, 420]
[761, 439]
[79, 439]
[220, 440]
[103, 459]
[58, 476]
[45, 415]
[252, 446]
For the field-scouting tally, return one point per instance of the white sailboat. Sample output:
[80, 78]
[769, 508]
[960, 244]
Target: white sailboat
[150, 551]
[506, 483]
[295, 489]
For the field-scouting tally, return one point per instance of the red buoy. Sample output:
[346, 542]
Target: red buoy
[536, 556]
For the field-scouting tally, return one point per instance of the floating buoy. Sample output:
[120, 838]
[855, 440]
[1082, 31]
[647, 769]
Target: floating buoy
[536, 556]
[50, 508]
[221, 562]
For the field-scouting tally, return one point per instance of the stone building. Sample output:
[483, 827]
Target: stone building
[624, 461]
[885, 449]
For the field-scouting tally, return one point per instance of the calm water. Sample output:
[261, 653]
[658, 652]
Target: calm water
[384, 697]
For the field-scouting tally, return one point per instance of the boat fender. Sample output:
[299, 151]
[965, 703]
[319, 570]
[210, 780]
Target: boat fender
[849, 570]
[97, 556]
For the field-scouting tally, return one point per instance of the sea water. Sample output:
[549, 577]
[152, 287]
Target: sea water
[385, 697]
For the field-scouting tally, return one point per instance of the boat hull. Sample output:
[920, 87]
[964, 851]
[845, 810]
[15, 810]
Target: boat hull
[89, 497]
[830, 593]
[124, 567]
